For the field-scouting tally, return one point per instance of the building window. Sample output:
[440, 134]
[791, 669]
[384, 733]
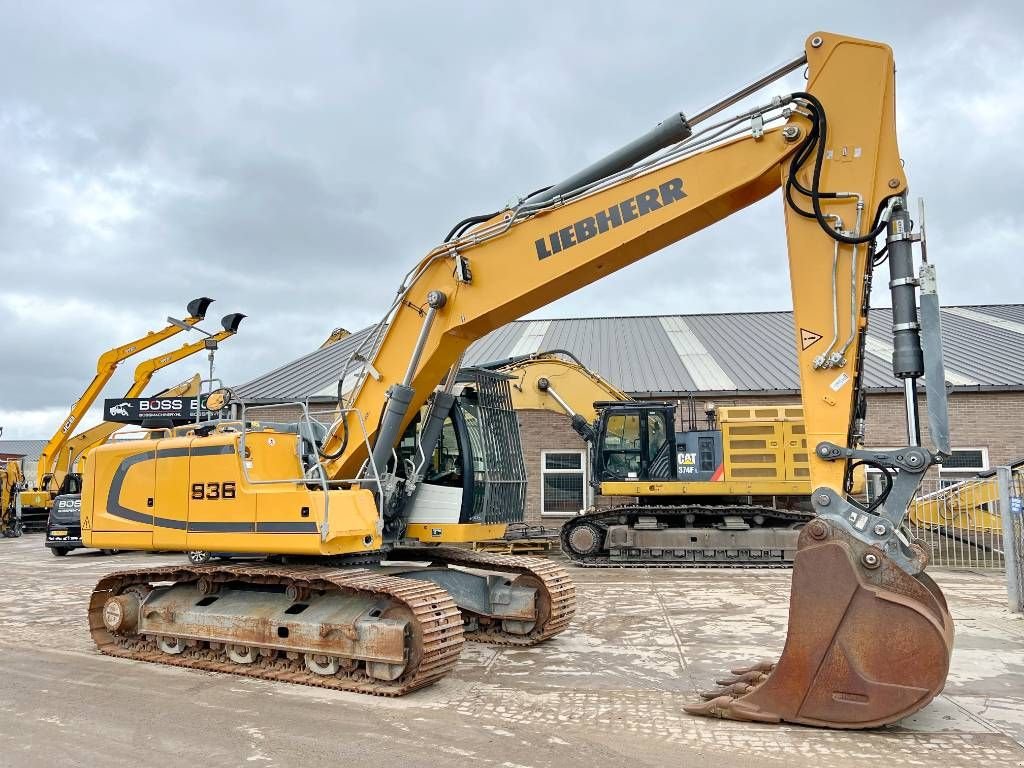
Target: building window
[964, 464]
[563, 482]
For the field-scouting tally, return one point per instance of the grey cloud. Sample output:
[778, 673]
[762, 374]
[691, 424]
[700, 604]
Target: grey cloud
[294, 161]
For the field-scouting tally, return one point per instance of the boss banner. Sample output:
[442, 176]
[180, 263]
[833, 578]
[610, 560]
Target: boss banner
[135, 410]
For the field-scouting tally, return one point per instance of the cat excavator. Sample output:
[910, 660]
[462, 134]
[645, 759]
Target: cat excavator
[369, 607]
[730, 488]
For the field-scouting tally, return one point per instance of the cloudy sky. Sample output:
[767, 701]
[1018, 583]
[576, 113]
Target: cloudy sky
[292, 160]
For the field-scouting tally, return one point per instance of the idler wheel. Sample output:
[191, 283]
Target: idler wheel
[585, 539]
[121, 614]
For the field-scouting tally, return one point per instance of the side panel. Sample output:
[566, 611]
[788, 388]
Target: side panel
[216, 502]
[754, 450]
[118, 494]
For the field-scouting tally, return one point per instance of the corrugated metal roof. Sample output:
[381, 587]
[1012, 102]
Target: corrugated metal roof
[748, 352]
[306, 376]
[30, 449]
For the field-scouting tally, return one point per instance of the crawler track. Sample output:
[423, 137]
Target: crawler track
[673, 515]
[556, 591]
[437, 637]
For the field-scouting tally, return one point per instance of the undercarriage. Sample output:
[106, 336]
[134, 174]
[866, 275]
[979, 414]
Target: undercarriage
[385, 629]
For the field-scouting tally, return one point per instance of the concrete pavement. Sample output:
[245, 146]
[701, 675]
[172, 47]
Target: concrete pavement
[608, 692]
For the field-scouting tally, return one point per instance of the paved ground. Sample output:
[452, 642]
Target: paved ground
[608, 692]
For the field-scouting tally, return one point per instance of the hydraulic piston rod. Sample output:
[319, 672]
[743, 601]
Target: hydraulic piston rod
[907, 355]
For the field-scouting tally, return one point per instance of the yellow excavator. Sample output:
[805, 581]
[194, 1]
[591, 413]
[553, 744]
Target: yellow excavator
[11, 481]
[732, 487]
[370, 608]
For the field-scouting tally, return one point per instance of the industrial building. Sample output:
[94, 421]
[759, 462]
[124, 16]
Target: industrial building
[24, 451]
[719, 359]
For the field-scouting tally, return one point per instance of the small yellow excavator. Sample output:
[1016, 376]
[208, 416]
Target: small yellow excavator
[11, 481]
[731, 488]
[372, 609]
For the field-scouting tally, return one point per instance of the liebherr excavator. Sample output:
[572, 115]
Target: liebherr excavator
[869, 637]
[730, 489]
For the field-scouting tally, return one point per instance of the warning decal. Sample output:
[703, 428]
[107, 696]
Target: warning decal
[807, 338]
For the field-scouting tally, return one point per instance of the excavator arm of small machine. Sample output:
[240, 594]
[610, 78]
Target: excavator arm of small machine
[144, 372]
[106, 365]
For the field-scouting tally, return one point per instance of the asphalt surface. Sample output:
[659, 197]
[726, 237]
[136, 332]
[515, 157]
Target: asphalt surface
[608, 692]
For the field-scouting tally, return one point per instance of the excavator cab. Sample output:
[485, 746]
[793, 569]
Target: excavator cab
[638, 441]
[635, 442]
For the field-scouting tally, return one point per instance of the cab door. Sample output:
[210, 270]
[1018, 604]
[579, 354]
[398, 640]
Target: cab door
[171, 492]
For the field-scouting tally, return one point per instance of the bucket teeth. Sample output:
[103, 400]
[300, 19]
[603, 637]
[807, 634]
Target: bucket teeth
[736, 689]
[716, 707]
[758, 666]
[753, 677]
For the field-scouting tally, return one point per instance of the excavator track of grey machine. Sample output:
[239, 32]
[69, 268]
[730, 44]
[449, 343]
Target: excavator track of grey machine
[634, 536]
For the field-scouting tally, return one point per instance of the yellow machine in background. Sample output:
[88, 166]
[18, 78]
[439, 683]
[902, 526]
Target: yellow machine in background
[731, 487]
[11, 481]
[869, 634]
[37, 501]
[967, 509]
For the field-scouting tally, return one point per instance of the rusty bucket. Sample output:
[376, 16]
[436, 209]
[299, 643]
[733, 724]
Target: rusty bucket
[868, 643]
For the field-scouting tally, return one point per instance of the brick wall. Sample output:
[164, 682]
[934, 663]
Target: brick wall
[992, 420]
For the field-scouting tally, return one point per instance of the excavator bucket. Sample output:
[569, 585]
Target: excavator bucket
[868, 643]
[198, 307]
[231, 322]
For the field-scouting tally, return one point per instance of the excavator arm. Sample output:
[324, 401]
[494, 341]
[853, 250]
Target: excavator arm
[77, 445]
[105, 367]
[557, 381]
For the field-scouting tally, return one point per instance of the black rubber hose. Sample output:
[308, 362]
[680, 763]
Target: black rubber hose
[815, 192]
[459, 228]
[885, 475]
[462, 226]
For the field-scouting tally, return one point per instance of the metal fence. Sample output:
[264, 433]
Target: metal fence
[975, 523]
[961, 524]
